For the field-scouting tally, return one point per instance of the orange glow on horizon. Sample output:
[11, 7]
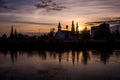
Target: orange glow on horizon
[80, 28]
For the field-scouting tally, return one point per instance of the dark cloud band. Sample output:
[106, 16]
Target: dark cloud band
[113, 20]
[49, 5]
[26, 22]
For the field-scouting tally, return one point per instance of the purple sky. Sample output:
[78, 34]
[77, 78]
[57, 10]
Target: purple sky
[41, 15]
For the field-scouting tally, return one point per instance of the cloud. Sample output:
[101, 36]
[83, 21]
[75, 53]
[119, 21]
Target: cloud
[27, 22]
[4, 3]
[56, 7]
[41, 5]
[112, 20]
[86, 9]
[49, 5]
[45, 1]
[116, 18]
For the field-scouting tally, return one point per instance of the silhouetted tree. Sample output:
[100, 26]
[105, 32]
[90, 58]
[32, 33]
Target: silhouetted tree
[15, 34]
[77, 30]
[52, 32]
[12, 32]
[73, 28]
[67, 27]
[4, 36]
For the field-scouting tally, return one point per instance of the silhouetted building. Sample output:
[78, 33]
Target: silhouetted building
[101, 32]
[62, 34]
[67, 35]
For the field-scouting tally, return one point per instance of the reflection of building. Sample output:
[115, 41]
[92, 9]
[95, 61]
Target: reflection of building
[65, 34]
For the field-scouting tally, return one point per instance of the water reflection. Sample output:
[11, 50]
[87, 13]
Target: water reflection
[60, 65]
[74, 57]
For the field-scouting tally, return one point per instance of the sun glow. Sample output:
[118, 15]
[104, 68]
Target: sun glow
[80, 28]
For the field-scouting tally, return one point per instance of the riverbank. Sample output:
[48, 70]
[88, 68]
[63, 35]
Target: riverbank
[57, 44]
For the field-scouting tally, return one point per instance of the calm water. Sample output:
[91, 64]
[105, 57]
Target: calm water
[60, 65]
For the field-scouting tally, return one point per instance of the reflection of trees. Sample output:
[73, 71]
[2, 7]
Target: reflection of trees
[67, 57]
[104, 58]
[73, 55]
[60, 57]
[78, 53]
[60, 53]
[42, 54]
[104, 55]
[85, 57]
[13, 56]
[4, 52]
[53, 54]
[117, 53]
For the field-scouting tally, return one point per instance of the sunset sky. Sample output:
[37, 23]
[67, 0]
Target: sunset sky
[41, 15]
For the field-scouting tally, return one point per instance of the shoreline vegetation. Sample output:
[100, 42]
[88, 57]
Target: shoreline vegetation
[58, 44]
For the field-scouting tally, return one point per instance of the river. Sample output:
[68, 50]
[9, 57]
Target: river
[60, 65]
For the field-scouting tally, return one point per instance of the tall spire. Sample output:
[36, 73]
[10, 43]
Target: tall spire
[59, 26]
[73, 27]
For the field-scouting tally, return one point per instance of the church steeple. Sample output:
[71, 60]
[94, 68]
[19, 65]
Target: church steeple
[59, 26]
